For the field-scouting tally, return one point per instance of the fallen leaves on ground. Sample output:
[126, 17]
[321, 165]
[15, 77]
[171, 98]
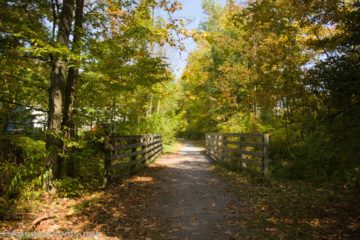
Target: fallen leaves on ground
[115, 213]
[277, 211]
[294, 210]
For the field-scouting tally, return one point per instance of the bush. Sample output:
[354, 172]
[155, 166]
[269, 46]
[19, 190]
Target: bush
[25, 168]
[165, 124]
[87, 165]
[69, 187]
[317, 159]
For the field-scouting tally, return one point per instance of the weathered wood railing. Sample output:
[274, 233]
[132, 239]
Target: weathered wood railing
[240, 150]
[127, 154]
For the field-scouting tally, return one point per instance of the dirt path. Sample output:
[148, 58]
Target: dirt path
[192, 199]
[181, 196]
[178, 197]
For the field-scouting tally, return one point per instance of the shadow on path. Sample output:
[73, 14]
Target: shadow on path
[178, 197]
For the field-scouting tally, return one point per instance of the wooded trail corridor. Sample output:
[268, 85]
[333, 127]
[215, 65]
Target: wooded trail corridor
[183, 195]
[177, 197]
[180, 119]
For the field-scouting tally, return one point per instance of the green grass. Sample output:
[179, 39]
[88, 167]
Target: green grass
[173, 147]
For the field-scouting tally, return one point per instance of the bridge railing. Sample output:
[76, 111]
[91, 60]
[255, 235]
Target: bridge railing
[239, 149]
[124, 155]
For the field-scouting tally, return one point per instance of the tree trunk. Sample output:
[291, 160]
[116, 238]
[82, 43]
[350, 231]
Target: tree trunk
[158, 106]
[73, 74]
[56, 93]
[68, 125]
[149, 110]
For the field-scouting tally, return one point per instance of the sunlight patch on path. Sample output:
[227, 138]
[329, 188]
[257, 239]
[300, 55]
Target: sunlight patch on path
[193, 202]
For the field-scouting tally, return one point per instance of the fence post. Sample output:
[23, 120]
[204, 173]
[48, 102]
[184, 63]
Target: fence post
[162, 146]
[241, 141]
[219, 149]
[133, 158]
[266, 155]
[108, 144]
[144, 149]
[206, 144]
[225, 154]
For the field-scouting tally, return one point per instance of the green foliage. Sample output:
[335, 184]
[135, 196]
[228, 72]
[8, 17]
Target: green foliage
[69, 187]
[124, 80]
[159, 123]
[27, 168]
[290, 68]
[87, 165]
[285, 68]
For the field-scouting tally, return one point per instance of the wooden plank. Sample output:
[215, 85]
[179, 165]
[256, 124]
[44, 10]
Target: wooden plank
[149, 143]
[119, 138]
[251, 165]
[252, 135]
[149, 158]
[216, 156]
[126, 164]
[247, 144]
[122, 147]
[149, 148]
[153, 146]
[154, 157]
[232, 142]
[155, 150]
[127, 146]
[251, 161]
[234, 147]
[232, 153]
[120, 166]
[265, 166]
[135, 136]
[246, 135]
[250, 153]
[235, 150]
[125, 155]
[131, 137]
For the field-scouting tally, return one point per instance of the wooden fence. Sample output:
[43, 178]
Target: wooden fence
[127, 154]
[240, 150]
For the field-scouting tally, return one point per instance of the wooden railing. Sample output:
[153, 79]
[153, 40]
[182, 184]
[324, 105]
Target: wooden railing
[240, 150]
[127, 154]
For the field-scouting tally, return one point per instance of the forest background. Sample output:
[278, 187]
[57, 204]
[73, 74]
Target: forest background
[71, 70]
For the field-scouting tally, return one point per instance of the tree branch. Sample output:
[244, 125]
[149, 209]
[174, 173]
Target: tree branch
[2, 100]
[27, 82]
[334, 115]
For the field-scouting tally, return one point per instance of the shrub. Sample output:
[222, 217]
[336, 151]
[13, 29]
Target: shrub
[87, 164]
[69, 187]
[25, 168]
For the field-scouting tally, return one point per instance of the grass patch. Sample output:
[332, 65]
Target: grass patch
[241, 174]
[173, 147]
[85, 203]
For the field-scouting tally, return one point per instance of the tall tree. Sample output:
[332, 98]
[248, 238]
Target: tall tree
[117, 49]
[73, 73]
[57, 88]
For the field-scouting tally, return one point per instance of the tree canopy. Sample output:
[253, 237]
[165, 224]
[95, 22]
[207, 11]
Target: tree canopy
[288, 68]
[73, 72]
